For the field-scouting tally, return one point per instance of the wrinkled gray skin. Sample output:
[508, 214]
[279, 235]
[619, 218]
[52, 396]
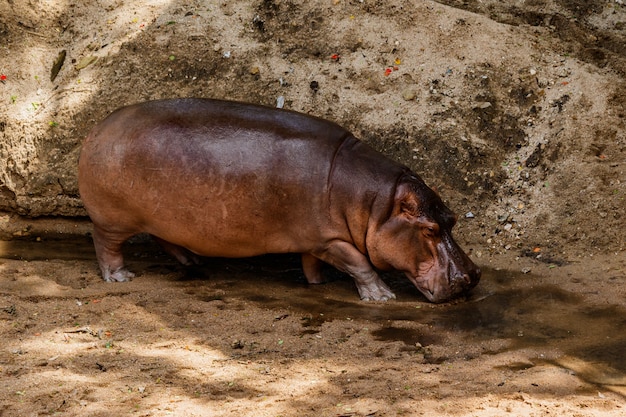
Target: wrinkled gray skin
[217, 178]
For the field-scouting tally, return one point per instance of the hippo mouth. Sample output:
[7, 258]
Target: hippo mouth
[426, 287]
[425, 280]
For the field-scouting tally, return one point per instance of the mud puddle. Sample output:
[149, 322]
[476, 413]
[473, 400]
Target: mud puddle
[76, 248]
[508, 311]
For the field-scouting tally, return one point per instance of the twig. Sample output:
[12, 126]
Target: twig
[30, 32]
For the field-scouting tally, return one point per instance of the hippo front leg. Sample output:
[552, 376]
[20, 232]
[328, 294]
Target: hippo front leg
[347, 258]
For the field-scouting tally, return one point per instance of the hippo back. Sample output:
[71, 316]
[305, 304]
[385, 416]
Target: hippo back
[185, 170]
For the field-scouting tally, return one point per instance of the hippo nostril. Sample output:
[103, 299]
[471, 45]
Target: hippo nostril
[477, 274]
[462, 277]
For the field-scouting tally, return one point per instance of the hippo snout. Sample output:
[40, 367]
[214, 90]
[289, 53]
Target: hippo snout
[463, 278]
[447, 282]
[468, 278]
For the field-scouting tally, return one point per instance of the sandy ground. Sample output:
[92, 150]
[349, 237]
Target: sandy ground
[513, 110]
[250, 337]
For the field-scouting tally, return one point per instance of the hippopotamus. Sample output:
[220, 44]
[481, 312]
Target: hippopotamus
[212, 178]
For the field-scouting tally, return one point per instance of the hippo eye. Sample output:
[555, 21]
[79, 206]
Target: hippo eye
[429, 228]
[430, 231]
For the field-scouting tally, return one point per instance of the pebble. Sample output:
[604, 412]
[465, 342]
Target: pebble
[469, 215]
[280, 102]
[409, 95]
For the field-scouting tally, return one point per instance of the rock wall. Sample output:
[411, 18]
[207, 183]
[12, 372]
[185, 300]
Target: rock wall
[515, 113]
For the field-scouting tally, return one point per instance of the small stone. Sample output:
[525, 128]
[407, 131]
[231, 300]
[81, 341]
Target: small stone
[409, 95]
[469, 215]
[280, 102]
[483, 105]
[85, 62]
[525, 270]
[254, 70]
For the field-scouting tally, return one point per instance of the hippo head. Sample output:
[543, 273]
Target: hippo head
[416, 239]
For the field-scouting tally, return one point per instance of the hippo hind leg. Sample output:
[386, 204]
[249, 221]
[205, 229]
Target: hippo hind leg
[182, 255]
[108, 247]
[312, 268]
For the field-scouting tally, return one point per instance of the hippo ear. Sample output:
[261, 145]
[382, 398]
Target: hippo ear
[407, 203]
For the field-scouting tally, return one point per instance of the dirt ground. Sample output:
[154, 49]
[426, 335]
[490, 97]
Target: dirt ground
[250, 337]
[512, 110]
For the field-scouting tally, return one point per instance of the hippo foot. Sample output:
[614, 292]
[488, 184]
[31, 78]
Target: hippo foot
[376, 293]
[119, 275]
[182, 255]
[190, 260]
